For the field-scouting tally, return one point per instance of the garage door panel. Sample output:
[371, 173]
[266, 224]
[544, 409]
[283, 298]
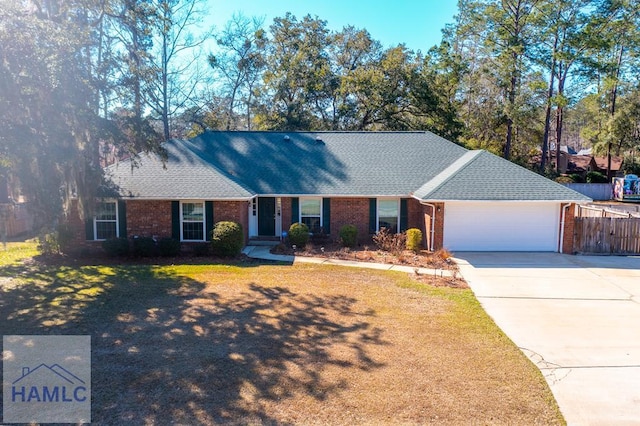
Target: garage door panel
[501, 226]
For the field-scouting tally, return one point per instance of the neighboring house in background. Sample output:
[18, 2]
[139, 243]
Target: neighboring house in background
[460, 199]
[599, 164]
[583, 162]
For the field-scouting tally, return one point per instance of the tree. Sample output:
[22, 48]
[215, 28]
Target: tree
[350, 49]
[563, 28]
[240, 63]
[54, 75]
[611, 68]
[297, 81]
[48, 120]
[509, 38]
[175, 69]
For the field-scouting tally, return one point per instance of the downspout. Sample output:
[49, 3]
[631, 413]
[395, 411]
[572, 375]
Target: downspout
[564, 214]
[433, 223]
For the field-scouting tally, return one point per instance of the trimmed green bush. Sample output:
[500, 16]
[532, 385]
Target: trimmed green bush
[299, 234]
[168, 247]
[202, 249]
[348, 235]
[116, 247]
[414, 239]
[144, 247]
[227, 239]
[596, 177]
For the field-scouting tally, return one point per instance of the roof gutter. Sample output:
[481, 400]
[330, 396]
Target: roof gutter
[433, 200]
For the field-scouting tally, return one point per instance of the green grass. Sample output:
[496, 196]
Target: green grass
[14, 252]
[254, 343]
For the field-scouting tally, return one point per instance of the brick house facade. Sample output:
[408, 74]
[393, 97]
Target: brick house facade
[155, 218]
[459, 199]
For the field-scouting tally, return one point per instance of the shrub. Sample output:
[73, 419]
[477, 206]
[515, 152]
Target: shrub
[227, 239]
[144, 247]
[596, 177]
[348, 235]
[299, 234]
[168, 247]
[386, 241]
[56, 242]
[116, 247]
[201, 249]
[414, 239]
[576, 178]
[443, 254]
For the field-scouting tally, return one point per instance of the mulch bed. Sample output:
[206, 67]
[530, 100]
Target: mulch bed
[423, 259]
[439, 260]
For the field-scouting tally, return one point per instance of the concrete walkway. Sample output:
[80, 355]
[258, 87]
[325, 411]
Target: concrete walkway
[262, 252]
[578, 320]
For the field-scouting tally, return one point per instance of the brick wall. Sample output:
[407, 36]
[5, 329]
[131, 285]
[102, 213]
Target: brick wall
[350, 211]
[233, 211]
[149, 218]
[569, 226]
[77, 224]
[286, 213]
[438, 226]
[153, 218]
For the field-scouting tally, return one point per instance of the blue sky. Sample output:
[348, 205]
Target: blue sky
[416, 23]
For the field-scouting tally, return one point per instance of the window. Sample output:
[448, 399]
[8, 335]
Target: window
[192, 221]
[388, 213]
[311, 213]
[105, 223]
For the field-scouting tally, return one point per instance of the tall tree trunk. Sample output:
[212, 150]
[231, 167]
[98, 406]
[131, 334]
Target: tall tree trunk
[165, 89]
[614, 96]
[513, 86]
[562, 76]
[547, 115]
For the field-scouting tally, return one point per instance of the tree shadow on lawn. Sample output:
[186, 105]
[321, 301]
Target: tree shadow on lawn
[167, 348]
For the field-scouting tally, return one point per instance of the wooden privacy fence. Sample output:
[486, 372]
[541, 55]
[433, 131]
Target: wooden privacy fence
[608, 235]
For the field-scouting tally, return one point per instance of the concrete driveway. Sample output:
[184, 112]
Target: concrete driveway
[577, 318]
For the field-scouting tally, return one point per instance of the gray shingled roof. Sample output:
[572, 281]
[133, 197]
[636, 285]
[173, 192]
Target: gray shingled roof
[480, 175]
[239, 165]
[184, 176]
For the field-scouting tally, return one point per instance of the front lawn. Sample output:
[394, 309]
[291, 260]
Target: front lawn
[257, 343]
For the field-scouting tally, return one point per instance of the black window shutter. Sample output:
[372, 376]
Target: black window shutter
[88, 229]
[373, 215]
[295, 210]
[175, 220]
[122, 218]
[208, 223]
[326, 215]
[404, 215]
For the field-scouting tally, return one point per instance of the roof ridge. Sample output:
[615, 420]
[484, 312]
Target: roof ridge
[441, 178]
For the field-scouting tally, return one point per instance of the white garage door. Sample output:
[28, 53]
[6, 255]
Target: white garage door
[501, 226]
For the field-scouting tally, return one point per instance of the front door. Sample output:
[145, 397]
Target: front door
[267, 216]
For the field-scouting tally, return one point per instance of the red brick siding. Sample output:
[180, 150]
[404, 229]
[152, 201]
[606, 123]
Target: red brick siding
[415, 212]
[438, 226]
[233, 211]
[350, 211]
[149, 218]
[286, 213]
[569, 228]
[77, 225]
[153, 218]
